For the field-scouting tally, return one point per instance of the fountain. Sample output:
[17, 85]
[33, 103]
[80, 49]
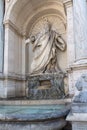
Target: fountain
[33, 117]
[45, 85]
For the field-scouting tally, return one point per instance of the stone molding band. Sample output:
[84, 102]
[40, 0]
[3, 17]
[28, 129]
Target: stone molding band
[13, 77]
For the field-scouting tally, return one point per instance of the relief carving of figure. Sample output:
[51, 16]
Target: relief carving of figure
[45, 45]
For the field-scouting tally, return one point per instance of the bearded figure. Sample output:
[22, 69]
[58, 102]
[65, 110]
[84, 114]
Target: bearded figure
[45, 47]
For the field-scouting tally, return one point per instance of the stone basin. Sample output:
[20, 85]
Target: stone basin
[38, 117]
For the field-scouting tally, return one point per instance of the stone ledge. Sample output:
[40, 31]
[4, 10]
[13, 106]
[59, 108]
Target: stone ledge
[67, 3]
[79, 107]
[76, 67]
[12, 77]
[77, 117]
[34, 102]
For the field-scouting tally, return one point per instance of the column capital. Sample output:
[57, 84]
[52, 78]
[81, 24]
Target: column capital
[67, 3]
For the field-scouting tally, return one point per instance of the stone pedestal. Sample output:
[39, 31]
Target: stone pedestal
[46, 86]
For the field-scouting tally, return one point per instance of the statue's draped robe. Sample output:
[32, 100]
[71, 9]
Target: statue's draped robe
[44, 50]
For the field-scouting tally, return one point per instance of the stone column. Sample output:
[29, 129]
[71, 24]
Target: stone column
[23, 55]
[70, 42]
[80, 29]
[1, 34]
[70, 33]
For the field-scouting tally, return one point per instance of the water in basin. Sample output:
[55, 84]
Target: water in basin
[29, 113]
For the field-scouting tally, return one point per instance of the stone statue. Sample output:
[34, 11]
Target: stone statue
[81, 86]
[45, 46]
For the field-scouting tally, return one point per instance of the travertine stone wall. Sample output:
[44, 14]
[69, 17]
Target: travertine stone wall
[79, 66]
[14, 71]
[70, 33]
[70, 43]
[13, 52]
[76, 41]
[80, 28]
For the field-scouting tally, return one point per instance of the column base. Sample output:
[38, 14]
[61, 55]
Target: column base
[78, 116]
[78, 121]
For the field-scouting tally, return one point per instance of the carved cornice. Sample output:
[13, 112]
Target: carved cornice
[67, 3]
[72, 68]
[9, 24]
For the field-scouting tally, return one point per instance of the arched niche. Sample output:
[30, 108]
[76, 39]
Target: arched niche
[19, 18]
[34, 23]
[58, 24]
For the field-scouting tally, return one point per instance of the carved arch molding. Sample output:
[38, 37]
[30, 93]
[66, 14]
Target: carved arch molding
[28, 16]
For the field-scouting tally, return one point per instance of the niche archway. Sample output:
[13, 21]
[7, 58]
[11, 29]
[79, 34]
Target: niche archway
[19, 18]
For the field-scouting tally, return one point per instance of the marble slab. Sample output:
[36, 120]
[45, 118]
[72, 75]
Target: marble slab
[46, 86]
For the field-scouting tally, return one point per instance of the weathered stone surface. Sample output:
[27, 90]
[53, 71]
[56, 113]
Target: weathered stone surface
[54, 91]
[81, 98]
[78, 114]
[54, 125]
[77, 117]
[81, 85]
[80, 29]
[79, 126]
[79, 108]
